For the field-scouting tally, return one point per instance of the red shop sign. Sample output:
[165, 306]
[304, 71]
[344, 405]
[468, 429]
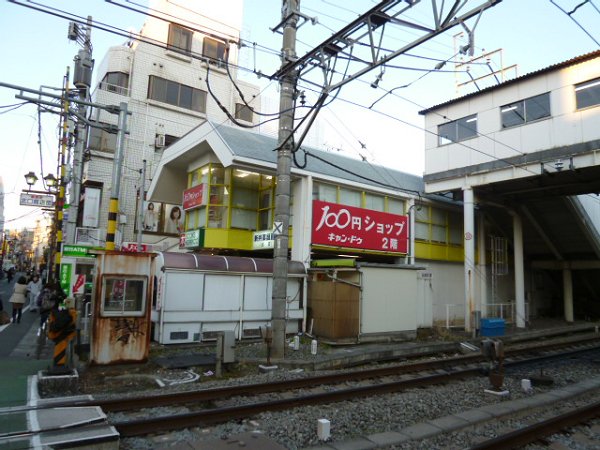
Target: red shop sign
[346, 226]
[192, 197]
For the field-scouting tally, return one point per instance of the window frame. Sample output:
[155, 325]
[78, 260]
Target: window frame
[105, 138]
[584, 87]
[454, 129]
[175, 35]
[522, 105]
[139, 312]
[161, 89]
[244, 112]
[214, 51]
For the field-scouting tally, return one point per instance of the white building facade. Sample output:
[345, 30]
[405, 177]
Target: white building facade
[165, 78]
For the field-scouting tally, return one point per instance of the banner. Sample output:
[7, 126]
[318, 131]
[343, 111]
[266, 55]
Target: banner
[350, 227]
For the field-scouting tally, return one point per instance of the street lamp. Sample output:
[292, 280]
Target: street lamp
[30, 178]
[50, 180]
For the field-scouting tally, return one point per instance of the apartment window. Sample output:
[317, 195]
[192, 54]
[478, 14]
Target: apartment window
[528, 110]
[213, 50]
[243, 112]
[101, 140]
[458, 130]
[115, 82]
[438, 225]
[176, 94]
[587, 94]
[180, 39]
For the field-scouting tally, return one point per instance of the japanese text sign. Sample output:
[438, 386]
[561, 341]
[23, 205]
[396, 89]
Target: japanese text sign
[346, 226]
[192, 197]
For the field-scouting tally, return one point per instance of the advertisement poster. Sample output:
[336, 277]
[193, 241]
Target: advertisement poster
[350, 227]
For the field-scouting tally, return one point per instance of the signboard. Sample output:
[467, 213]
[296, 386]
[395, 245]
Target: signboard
[192, 197]
[194, 238]
[65, 277]
[77, 251]
[78, 286]
[263, 239]
[133, 247]
[40, 200]
[91, 207]
[347, 226]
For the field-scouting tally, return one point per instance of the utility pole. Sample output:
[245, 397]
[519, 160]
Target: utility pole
[82, 79]
[60, 199]
[113, 207]
[282, 191]
[140, 207]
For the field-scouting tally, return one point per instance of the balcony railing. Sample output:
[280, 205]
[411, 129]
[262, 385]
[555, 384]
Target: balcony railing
[113, 88]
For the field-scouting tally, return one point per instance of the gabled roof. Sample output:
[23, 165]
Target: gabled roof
[246, 144]
[554, 67]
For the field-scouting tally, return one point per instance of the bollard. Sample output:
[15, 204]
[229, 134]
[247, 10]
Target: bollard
[313, 347]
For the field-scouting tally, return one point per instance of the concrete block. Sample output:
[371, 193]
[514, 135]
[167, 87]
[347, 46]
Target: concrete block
[421, 430]
[65, 383]
[388, 438]
[474, 416]
[354, 444]
[449, 423]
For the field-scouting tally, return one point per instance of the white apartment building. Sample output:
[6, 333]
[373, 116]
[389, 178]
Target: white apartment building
[166, 78]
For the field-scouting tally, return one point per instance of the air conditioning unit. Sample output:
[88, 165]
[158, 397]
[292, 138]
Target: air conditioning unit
[159, 141]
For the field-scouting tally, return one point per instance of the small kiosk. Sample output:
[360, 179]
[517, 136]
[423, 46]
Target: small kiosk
[122, 300]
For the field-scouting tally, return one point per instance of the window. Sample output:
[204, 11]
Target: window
[528, 110]
[176, 94]
[214, 50]
[587, 94]
[180, 39]
[458, 130]
[102, 140]
[243, 112]
[115, 82]
[438, 225]
[123, 295]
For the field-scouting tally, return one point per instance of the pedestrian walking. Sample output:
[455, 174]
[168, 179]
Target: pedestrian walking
[34, 287]
[18, 299]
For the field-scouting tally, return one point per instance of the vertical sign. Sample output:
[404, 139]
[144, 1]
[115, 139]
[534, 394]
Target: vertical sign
[65, 277]
[91, 207]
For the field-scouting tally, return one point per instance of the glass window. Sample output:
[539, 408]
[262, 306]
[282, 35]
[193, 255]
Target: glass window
[242, 112]
[176, 94]
[327, 193]
[123, 295]
[374, 202]
[587, 94]
[213, 50]
[395, 206]
[528, 110]
[180, 39]
[457, 130]
[115, 82]
[350, 198]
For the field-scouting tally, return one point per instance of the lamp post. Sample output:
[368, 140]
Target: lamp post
[50, 184]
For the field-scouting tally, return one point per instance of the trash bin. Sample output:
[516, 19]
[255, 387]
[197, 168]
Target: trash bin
[492, 327]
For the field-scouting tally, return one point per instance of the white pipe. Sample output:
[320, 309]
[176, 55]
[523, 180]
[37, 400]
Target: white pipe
[519, 271]
[469, 244]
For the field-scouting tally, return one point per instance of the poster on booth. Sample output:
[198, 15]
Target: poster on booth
[350, 227]
[79, 285]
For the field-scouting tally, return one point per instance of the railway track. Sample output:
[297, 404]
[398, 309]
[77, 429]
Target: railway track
[540, 430]
[411, 375]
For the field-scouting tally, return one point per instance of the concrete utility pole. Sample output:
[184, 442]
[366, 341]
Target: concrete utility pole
[282, 193]
[82, 79]
[140, 207]
[60, 199]
[113, 207]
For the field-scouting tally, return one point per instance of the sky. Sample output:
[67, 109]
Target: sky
[532, 34]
